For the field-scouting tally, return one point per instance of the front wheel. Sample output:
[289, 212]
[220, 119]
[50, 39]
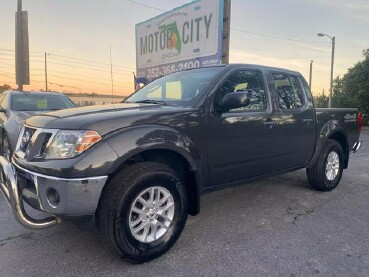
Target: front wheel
[143, 211]
[326, 174]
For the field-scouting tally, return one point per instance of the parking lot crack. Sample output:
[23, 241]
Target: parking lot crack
[21, 236]
[296, 217]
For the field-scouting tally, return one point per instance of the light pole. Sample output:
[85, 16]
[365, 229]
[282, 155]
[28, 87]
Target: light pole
[311, 73]
[333, 39]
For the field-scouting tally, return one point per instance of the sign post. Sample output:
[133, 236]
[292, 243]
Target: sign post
[226, 31]
[187, 37]
[21, 47]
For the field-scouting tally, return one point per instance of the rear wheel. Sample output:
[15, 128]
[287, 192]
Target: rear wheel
[143, 211]
[326, 174]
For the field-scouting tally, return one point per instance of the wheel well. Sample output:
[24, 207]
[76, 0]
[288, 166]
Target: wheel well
[179, 164]
[341, 139]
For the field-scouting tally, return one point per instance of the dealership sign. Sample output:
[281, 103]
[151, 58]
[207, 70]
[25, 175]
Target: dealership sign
[187, 37]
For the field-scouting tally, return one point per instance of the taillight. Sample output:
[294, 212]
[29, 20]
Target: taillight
[359, 121]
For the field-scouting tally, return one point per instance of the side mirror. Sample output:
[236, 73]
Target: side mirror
[234, 100]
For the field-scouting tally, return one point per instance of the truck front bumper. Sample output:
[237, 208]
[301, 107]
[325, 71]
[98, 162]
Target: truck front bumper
[56, 196]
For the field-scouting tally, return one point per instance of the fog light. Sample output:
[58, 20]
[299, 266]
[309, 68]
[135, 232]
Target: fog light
[53, 197]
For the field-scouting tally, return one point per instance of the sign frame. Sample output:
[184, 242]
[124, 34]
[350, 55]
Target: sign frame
[148, 73]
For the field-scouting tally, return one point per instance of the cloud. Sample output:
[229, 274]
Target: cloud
[358, 9]
[239, 56]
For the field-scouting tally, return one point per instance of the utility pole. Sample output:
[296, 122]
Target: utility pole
[46, 89]
[311, 73]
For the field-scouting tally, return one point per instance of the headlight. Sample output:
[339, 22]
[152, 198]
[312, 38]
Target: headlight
[67, 144]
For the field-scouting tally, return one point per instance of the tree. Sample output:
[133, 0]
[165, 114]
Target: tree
[352, 90]
[356, 85]
[5, 87]
[322, 100]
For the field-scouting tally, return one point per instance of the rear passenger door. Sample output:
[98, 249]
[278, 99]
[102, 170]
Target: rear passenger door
[296, 120]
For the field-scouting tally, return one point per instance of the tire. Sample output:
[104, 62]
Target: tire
[318, 177]
[115, 212]
[5, 147]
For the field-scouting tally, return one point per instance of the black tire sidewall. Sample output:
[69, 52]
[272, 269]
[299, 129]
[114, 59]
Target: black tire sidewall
[133, 248]
[331, 184]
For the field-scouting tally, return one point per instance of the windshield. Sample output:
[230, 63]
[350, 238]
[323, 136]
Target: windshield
[180, 88]
[40, 102]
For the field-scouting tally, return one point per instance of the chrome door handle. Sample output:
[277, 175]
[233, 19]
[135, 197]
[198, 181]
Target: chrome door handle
[270, 123]
[307, 120]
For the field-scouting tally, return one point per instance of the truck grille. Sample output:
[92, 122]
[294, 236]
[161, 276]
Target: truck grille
[33, 142]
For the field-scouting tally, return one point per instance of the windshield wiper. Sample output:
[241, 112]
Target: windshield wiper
[151, 101]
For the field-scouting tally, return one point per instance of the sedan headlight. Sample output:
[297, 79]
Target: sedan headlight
[69, 143]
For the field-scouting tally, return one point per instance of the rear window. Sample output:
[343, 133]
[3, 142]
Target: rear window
[43, 102]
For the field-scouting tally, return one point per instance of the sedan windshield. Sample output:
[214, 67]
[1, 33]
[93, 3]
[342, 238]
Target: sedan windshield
[40, 102]
[180, 88]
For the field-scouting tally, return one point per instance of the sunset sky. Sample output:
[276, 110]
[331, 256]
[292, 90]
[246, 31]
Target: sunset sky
[76, 35]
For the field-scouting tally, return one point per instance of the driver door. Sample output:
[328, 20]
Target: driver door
[240, 141]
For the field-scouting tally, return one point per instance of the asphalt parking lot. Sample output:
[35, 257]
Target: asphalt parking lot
[275, 227]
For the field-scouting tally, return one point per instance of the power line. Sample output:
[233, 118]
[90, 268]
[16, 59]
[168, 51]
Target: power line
[80, 89]
[90, 61]
[9, 50]
[88, 64]
[90, 68]
[5, 72]
[80, 75]
[32, 60]
[276, 37]
[145, 5]
[7, 76]
[7, 64]
[122, 68]
[81, 80]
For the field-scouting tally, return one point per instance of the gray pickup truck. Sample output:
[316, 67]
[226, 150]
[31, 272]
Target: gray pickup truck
[139, 168]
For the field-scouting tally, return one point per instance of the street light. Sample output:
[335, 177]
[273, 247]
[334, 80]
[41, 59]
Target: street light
[333, 39]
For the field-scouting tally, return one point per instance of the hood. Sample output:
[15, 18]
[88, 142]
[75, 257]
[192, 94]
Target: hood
[102, 118]
[21, 116]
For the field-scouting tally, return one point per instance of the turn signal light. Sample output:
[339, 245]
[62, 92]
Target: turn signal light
[89, 138]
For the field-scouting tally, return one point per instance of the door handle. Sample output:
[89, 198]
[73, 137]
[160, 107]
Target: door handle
[270, 123]
[307, 120]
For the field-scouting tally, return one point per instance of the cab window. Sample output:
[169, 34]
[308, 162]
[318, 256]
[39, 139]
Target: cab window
[289, 91]
[248, 81]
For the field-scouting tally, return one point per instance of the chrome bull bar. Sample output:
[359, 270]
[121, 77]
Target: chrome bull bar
[13, 195]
